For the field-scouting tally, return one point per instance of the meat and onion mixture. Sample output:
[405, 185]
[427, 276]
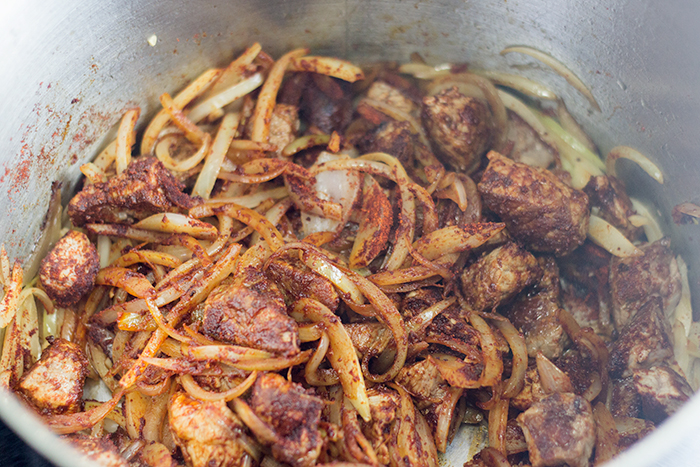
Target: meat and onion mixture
[302, 262]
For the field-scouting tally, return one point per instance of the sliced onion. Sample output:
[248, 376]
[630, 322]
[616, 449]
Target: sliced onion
[606, 236]
[196, 391]
[516, 342]
[212, 164]
[552, 378]
[171, 222]
[456, 239]
[626, 152]
[125, 139]
[557, 66]
[518, 83]
[328, 66]
[225, 97]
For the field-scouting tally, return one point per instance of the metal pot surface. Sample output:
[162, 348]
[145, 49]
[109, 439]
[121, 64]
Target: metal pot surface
[70, 69]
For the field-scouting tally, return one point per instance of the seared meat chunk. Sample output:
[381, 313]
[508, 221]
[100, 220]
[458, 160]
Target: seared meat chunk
[559, 429]
[101, 451]
[662, 391]
[388, 94]
[206, 432]
[534, 312]
[644, 342]
[284, 126]
[528, 148]
[608, 194]
[498, 276]
[68, 271]
[146, 187]
[383, 403]
[54, 385]
[539, 209]
[294, 415]
[422, 379]
[532, 391]
[244, 316]
[633, 280]
[459, 127]
[299, 282]
[393, 138]
[625, 401]
[326, 103]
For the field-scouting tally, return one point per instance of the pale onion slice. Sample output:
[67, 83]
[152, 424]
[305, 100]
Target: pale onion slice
[126, 138]
[652, 226]
[557, 66]
[606, 236]
[233, 73]
[518, 83]
[222, 99]
[553, 380]
[423, 71]
[329, 66]
[626, 152]
[212, 164]
[171, 222]
[455, 239]
[251, 201]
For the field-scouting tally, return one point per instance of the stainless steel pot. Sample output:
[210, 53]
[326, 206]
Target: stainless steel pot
[68, 70]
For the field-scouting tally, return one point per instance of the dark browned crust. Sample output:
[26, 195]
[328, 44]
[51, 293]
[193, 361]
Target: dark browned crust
[662, 392]
[293, 413]
[538, 208]
[459, 127]
[48, 376]
[243, 316]
[100, 450]
[608, 194]
[68, 272]
[393, 138]
[299, 282]
[146, 187]
[559, 429]
[498, 276]
[644, 342]
[625, 401]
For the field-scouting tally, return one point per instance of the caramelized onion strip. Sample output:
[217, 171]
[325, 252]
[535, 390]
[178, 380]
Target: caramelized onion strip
[171, 222]
[328, 66]
[342, 356]
[498, 420]
[72, 423]
[455, 239]
[516, 341]
[196, 391]
[247, 216]
[493, 365]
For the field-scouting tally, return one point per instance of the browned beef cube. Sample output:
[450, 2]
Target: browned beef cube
[54, 385]
[625, 400]
[459, 127]
[206, 432]
[284, 126]
[146, 187]
[528, 148]
[633, 280]
[300, 282]
[662, 391]
[422, 379]
[539, 209]
[68, 271]
[498, 276]
[101, 451]
[382, 404]
[532, 391]
[326, 103]
[609, 195]
[559, 429]
[384, 92]
[243, 316]
[644, 342]
[393, 138]
[534, 312]
[294, 414]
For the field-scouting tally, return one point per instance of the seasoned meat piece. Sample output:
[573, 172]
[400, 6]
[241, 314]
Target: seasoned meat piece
[515, 438]
[54, 385]
[326, 103]
[534, 312]
[206, 432]
[422, 379]
[608, 194]
[384, 92]
[300, 282]
[579, 367]
[625, 400]
[68, 271]
[587, 307]
[101, 451]
[644, 342]
[632, 430]
[244, 316]
[498, 276]
[382, 404]
[528, 148]
[539, 210]
[393, 138]
[146, 187]
[662, 391]
[559, 429]
[284, 126]
[459, 127]
[532, 391]
[294, 414]
[633, 280]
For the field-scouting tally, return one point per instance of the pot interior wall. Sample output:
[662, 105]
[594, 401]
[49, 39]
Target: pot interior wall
[70, 69]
